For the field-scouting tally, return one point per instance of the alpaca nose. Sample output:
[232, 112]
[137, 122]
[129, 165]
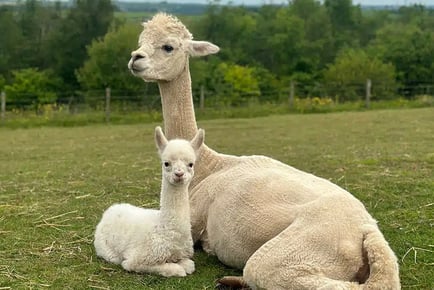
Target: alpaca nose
[179, 173]
[135, 55]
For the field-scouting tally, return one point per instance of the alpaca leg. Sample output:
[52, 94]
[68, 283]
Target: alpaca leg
[300, 277]
[104, 252]
[232, 282]
[166, 269]
[113, 258]
[235, 282]
[291, 261]
[206, 245]
[188, 265]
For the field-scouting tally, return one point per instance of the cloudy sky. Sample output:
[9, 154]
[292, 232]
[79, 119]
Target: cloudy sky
[257, 2]
[394, 2]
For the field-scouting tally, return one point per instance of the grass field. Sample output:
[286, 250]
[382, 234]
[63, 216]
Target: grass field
[56, 182]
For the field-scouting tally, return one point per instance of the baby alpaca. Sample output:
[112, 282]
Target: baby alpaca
[155, 241]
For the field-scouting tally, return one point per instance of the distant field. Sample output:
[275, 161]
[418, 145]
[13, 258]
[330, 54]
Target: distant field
[141, 16]
[133, 16]
[55, 183]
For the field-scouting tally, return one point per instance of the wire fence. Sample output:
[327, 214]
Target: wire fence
[108, 101]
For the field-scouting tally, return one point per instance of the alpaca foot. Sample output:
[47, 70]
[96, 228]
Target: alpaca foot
[111, 258]
[129, 265]
[166, 270]
[171, 270]
[232, 282]
[188, 265]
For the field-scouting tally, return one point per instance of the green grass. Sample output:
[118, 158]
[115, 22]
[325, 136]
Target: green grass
[51, 115]
[55, 183]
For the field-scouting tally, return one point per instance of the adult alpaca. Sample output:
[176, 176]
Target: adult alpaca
[288, 229]
[149, 240]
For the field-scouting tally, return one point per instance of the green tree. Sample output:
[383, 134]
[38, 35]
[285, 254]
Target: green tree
[85, 21]
[341, 14]
[2, 82]
[414, 14]
[318, 43]
[410, 49]
[347, 76]
[107, 62]
[345, 19]
[232, 28]
[370, 23]
[10, 39]
[36, 21]
[282, 41]
[269, 85]
[236, 84]
[31, 87]
[202, 74]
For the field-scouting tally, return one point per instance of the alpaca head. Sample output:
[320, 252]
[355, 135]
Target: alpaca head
[164, 47]
[178, 156]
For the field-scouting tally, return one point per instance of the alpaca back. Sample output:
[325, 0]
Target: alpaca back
[123, 226]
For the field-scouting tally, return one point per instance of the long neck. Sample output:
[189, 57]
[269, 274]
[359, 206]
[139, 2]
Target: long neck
[180, 120]
[178, 108]
[174, 204]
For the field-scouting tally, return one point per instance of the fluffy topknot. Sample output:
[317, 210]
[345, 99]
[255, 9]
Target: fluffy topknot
[163, 23]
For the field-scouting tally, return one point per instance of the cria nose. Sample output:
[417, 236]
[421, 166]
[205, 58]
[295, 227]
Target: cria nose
[179, 173]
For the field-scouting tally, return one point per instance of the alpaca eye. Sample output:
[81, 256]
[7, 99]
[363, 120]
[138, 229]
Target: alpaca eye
[167, 48]
[166, 164]
[190, 165]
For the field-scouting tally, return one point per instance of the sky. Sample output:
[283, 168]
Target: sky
[258, 2]
[394, 2]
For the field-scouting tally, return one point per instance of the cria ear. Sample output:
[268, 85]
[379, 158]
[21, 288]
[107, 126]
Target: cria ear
[198, 140]
[201, 48]
[160, 139]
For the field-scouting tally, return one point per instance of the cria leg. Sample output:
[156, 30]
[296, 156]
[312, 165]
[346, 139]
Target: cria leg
[115, 259]
[104, 252]
[188, 265]
[166, 269]
[293, 261]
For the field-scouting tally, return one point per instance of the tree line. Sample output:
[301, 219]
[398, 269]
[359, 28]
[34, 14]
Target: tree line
[49, 52]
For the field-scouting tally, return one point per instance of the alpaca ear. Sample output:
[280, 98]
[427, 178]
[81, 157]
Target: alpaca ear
[201, 48]
[160, 139]
[198, 139]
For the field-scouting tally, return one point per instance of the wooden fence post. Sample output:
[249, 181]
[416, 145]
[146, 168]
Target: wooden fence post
[202, 98]
[107, 104]
[3, 105]
[291, 94]
[368, 93]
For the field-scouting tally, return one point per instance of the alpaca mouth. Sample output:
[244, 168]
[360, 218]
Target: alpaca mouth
[136, 70]
[178, 180]
[142, 73]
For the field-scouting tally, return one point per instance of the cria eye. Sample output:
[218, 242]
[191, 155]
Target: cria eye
[166, 164]
[167, 48]
[190, 165]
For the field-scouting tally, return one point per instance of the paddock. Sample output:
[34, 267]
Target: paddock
[55, 182]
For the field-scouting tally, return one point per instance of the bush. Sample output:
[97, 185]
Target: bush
[346, 77]
[236, 84]
[31, 88]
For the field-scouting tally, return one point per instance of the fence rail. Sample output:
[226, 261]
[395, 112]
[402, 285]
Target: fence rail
[108, 101]
[2, 105]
